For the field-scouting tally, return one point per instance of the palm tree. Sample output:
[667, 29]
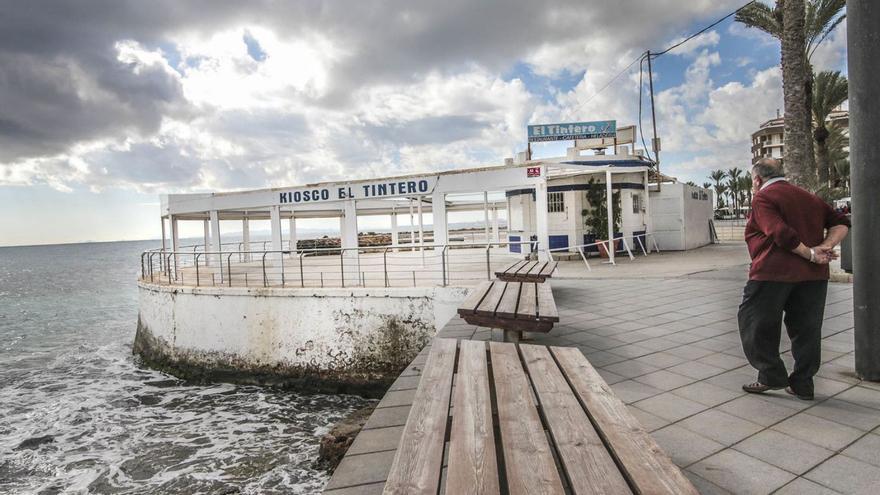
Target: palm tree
[707, 185]
[829, 91]
[733, 184]
[745, 190]
[717, 176]
[801, 27]
[838, 156]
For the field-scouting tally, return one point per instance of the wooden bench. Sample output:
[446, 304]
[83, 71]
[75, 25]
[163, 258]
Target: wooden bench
[514, 307]
[516, 410]
[527, 271]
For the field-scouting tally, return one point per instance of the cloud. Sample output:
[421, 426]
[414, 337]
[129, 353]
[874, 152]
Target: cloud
[175, 96]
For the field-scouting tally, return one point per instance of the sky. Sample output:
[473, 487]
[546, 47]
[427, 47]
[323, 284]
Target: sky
[104, 105]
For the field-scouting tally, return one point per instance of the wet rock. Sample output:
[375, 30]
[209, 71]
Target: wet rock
[335, 444]
[34, 442]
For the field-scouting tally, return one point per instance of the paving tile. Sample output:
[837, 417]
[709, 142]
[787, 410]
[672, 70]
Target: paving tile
[733, 380]
[696, 369]
[660, 359]
[630, 368]
[784, 451]
[361, 470]
[376, 440]
[397, 398]
[818, 431]
[388, 416]
[723, 361]
[863, 418]
[720, 426]
[740, 473]
[630, 391]
[664, 380]
[690, 352]
[371, 489]
[670, 406]
[803, 486]
[683, 446]
[706, 393]
[609, 377]
[603, 358]
[847, 475]
[649, 421]
[865, 449]
[862, 396]
[703, 486]
[631, 350]
[758, 410]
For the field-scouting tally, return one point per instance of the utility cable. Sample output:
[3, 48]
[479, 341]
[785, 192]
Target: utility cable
[701, 31]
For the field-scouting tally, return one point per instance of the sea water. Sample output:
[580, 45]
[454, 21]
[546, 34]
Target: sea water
[79, 415]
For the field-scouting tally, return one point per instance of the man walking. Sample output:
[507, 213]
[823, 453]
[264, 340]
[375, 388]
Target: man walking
[790, 253]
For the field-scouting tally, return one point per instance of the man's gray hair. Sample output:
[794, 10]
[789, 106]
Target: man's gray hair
[768, 168]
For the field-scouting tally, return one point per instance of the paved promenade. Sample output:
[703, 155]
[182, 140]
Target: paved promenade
[670, 349]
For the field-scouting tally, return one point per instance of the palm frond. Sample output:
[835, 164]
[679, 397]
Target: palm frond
[830, 90]
[760, 16]
[822, 17]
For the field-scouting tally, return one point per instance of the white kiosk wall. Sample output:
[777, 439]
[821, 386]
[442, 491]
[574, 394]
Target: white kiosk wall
[680, 216]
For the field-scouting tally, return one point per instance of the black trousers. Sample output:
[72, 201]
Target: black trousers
[760, 327]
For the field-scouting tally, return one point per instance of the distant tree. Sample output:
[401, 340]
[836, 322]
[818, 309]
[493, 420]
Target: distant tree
[707, 185]
[717, 177]
[691, 183]
[830, 90]
[733, 185]
[745, 190]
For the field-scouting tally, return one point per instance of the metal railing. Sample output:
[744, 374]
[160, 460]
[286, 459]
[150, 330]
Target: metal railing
[642, 240]
[369, 266]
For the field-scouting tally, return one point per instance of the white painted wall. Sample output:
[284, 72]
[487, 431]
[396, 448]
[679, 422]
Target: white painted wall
[318, 329]
[679, 221]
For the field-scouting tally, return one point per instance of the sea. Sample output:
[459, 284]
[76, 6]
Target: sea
[79, 414]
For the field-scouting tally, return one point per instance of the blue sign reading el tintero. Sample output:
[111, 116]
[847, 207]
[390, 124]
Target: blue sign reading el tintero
[575, 130]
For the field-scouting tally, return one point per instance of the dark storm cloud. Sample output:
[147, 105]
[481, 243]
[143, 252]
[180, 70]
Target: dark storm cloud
[61, 82]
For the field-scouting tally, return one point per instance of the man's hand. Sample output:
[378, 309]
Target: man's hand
[824, 255]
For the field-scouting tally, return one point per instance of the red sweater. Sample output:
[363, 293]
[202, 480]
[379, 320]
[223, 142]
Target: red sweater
[784, 215]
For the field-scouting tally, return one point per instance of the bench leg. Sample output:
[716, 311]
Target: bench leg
[512, 336]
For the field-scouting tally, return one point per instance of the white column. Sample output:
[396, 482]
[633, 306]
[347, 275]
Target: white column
[395, 237]
[412, 231]
[275, 225]
[349, 235]
[609, 197]
[486, 213]
[293, 237]
[421, 224]
[207, 238]
[175, 240]
[246, 237]
[541, 218]
[438, 212]
[647, 204]
[215, 235]
[496, 235]
[162, 262]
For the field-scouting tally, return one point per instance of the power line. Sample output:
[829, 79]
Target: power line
[701, 31]
[606, 85]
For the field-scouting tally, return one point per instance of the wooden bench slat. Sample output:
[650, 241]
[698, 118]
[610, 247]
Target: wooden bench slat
[549, 268]
[525, 267]
[590, 468]
[472, 464]
[644, 463]
[507, 307]
[536, 268]
[546, 304]
[474, 298]
[528, 300]
[529, 463]
[515, 266]
[493, 297]
[417, 463]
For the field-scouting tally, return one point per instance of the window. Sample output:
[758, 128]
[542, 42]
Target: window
[637, 203]
[555, 202]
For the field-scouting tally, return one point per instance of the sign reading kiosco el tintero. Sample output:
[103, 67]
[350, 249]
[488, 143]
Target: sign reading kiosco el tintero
[383, 189]
[575, 130]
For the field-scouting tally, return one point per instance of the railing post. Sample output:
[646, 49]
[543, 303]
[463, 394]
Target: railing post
[196, 257]
[342, 266]
[443, 263]
[265, 280]
[385, 265]
[626, 246]
[488, 265]
[302, 280]
[281, 255]
[229, 269]
[143, 268]
[151, 266]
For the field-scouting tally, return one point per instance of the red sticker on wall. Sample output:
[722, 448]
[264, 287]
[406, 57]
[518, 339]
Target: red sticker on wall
[533, 172]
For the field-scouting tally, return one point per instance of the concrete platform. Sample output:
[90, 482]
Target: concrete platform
[670, 349]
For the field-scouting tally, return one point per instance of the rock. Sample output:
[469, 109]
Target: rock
[335, 444]
[34, 442]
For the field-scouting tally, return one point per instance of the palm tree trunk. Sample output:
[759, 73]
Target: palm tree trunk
[798, 139]
[823, 160]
